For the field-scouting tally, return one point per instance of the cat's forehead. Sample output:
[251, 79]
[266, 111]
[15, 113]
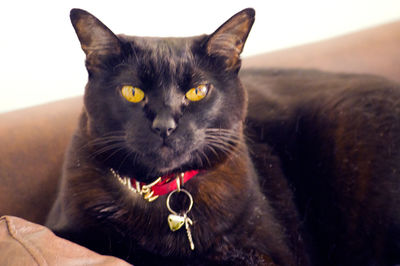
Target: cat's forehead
[162, 46]
[171, 57]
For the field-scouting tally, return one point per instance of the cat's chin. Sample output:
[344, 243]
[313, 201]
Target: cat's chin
[167, 161]
[166, 152]
[169, 157]
[149, 166]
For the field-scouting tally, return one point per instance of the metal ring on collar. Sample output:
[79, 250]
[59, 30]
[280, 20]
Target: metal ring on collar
[184, 191]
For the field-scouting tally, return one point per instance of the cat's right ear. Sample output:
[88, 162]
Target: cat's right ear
[97, 41]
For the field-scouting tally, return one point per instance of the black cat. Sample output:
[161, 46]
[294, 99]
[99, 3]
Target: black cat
[175, 163]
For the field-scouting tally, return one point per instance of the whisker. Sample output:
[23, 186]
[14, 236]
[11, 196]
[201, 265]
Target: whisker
[213, 150]
[224, 140]
[101, 144]
[106, 149]
[222, 148]
[107, 142]
[108, 138]
[117, 136]
[227, 143]
[128, 154]
[198, 157]
[220, 129]
[228, 134]
[205, 157]
[135, 158]
[114, 152]
[111, 134]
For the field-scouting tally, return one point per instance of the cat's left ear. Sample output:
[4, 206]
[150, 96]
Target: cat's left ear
[229, 39]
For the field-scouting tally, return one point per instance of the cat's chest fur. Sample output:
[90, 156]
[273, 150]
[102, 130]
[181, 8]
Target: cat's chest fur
[231, 217]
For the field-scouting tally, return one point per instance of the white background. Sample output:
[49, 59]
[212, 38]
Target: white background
[41, 59]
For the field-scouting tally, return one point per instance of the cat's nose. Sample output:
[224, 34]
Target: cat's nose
[164, 124]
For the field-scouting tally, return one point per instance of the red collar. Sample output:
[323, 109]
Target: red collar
[163, 185]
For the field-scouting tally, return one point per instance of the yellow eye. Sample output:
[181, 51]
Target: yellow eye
[132, 94]
[198, 93]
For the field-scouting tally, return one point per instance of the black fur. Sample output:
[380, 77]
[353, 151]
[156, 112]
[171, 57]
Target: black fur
[298, 169]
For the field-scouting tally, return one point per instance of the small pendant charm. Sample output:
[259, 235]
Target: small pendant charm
[175, 222]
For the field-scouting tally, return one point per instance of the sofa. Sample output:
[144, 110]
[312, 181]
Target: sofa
[33, 141]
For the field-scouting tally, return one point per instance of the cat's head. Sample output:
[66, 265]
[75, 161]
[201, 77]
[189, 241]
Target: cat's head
[162, 105]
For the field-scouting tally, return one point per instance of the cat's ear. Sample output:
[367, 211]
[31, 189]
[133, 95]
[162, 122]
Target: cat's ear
[97, 41]
[228, 40]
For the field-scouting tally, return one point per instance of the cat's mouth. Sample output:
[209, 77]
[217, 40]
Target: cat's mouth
[166, 151]
[165, 158]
